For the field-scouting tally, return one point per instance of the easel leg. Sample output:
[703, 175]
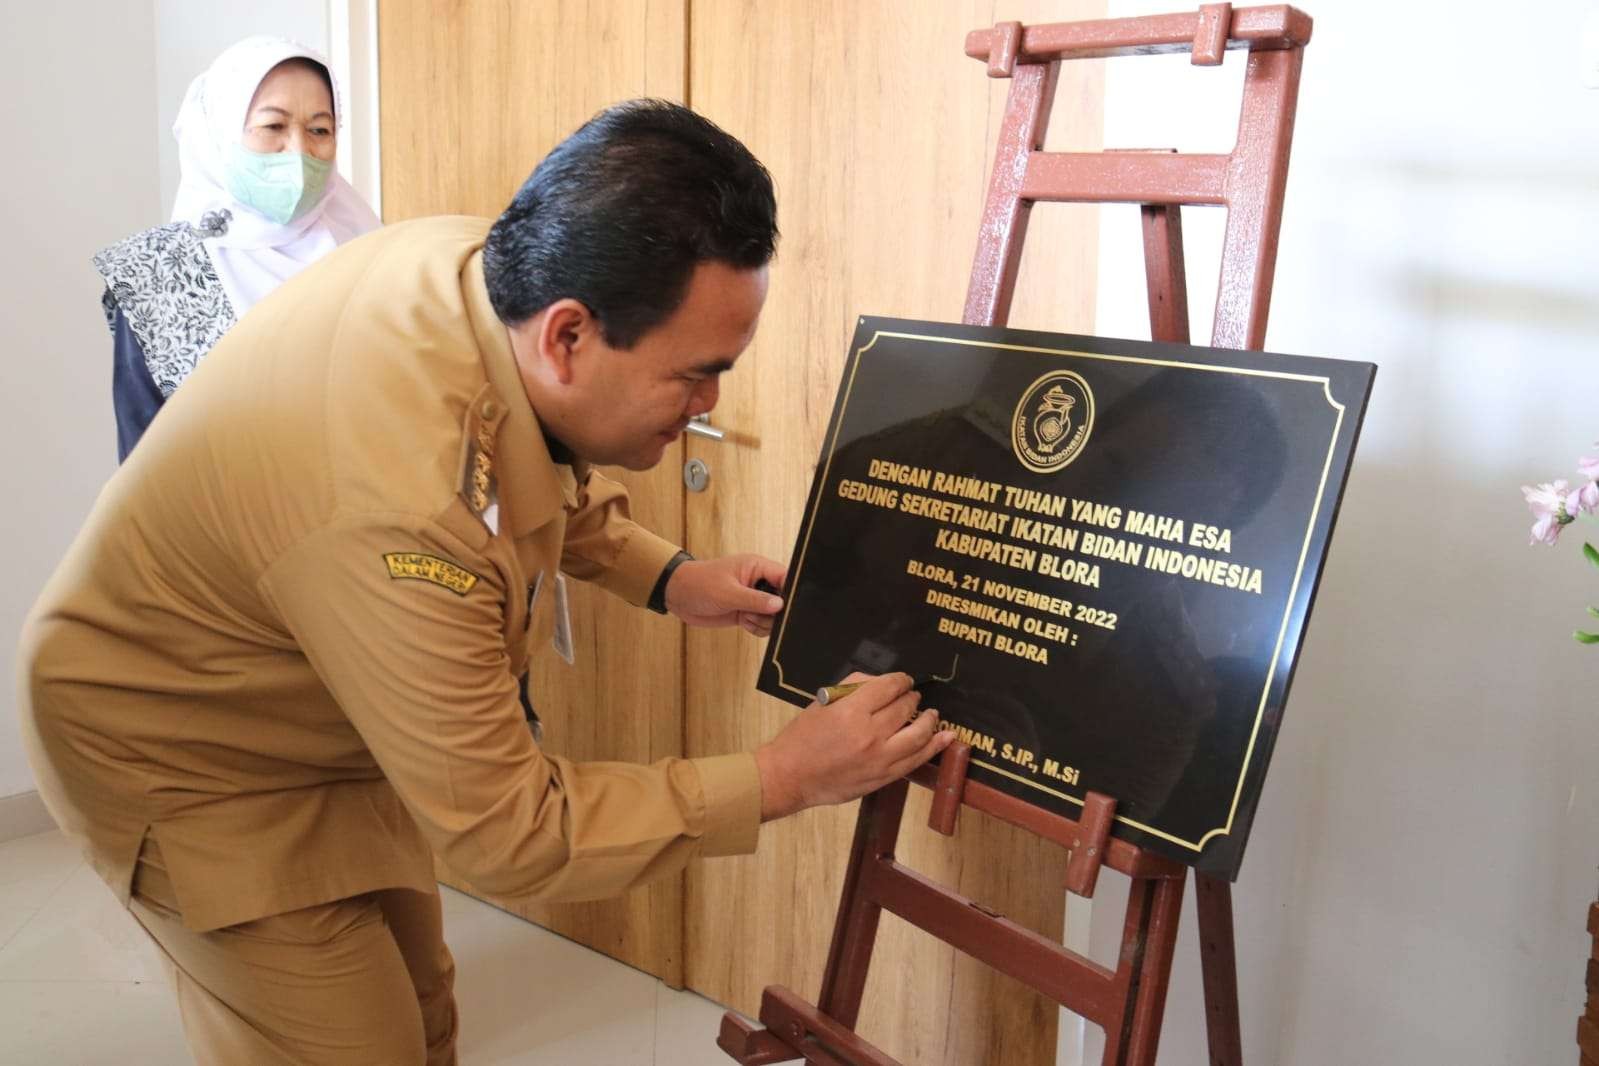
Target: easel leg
[876, 832]
[1259, 171]
[1165, 273]
[1154, 976]
[1214, 899]
[1004, 225]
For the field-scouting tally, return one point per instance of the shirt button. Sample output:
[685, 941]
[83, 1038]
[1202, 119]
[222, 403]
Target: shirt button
[490, 409]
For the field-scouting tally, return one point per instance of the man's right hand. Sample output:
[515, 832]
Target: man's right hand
[851, 746]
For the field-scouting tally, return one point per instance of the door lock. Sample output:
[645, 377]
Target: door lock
[696, 475]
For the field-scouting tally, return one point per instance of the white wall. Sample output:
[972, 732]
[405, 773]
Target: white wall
[1416, 886]
[91, 92]
[80, 96]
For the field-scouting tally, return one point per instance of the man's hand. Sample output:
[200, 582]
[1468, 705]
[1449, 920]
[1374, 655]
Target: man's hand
[722, 592]
[848, 748]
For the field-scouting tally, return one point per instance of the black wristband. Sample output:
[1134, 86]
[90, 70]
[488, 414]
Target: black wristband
[657, 601]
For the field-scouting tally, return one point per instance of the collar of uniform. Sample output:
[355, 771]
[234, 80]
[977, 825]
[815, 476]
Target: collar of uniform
[533, 488]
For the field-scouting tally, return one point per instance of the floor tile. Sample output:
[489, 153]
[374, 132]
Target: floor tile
[41, 857]
[19, 902]
[69, 952]
[686, 1025]
[31, 869]
[81, 933]
[90, 1023]
[528, 997]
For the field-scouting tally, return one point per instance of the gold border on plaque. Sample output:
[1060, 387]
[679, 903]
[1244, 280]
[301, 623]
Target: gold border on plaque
[1293, 588]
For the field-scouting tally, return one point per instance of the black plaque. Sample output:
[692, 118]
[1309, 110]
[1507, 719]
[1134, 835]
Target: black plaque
[1113, 546]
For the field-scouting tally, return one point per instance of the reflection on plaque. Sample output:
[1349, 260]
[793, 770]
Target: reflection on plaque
[1109, 547]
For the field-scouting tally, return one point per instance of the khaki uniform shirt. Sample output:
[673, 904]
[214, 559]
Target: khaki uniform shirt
[287, 641]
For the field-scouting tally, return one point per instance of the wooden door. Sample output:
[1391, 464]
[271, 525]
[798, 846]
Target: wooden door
[473, 95]
[879, 132]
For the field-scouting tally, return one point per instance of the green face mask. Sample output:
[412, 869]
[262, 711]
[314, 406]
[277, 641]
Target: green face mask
[281, 186]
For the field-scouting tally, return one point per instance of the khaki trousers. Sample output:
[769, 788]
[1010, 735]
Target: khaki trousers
[363, 980]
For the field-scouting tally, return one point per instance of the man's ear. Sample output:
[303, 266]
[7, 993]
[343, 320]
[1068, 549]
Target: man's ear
[567, 327]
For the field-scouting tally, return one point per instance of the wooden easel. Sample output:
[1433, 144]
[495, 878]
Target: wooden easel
[1129, 1001]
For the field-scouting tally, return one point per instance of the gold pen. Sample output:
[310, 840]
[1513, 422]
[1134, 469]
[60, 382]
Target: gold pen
[829, 693]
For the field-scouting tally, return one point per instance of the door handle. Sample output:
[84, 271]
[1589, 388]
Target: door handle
[700, 426]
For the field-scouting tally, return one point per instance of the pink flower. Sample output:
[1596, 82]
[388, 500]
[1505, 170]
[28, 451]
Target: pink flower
[1546, 530]
[1547, 500]
[1555, 506]
[1584, 499]
[1588, 467]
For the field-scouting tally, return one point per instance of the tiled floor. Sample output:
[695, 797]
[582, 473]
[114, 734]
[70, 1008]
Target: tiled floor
[80, 985]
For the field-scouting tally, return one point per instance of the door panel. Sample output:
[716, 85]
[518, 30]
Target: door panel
[879, 133]
[473, 96]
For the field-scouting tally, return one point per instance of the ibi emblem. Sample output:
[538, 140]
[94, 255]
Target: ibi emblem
[1052, 421]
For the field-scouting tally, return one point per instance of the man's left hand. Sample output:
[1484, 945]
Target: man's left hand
[722, 592]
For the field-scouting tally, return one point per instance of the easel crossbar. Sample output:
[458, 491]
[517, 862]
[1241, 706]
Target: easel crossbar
[1014, 950]
[1125, 178]
[1120, 855]
[815, 1036]
[1255, 28]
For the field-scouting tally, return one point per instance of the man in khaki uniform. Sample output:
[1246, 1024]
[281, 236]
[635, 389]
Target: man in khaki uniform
[278, 669]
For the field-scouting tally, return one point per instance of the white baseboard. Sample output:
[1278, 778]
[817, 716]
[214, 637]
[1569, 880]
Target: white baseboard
[23, 815]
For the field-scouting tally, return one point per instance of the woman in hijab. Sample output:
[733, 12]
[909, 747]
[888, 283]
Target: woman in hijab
[258, 201]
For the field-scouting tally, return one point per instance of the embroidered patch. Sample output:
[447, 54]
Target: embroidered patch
[458, 579]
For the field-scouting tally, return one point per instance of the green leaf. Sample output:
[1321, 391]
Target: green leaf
[1586, 638]
[1588, 550]
[1594, 611]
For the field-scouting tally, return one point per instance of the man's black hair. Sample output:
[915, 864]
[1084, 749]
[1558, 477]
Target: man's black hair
[622, 211]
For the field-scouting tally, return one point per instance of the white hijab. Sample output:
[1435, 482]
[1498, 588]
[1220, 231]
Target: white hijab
[255, 255]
